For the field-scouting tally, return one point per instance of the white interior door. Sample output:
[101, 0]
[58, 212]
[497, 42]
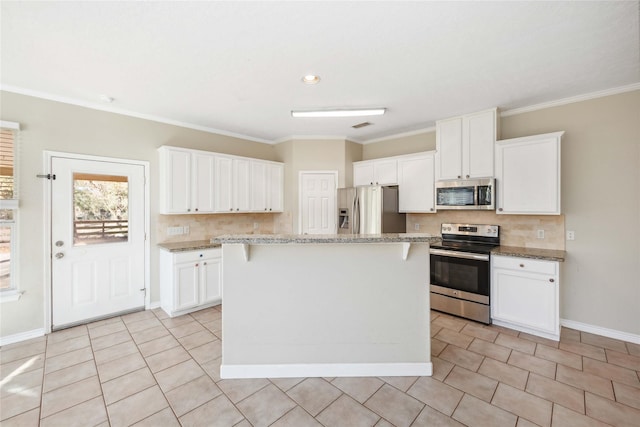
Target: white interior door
[318, 202]
[97, 239]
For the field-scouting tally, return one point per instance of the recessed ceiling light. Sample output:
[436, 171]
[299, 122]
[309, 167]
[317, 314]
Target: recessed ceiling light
[340, 113]
[310, 79]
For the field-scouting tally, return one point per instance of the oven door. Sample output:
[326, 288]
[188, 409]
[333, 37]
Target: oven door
[461, 275]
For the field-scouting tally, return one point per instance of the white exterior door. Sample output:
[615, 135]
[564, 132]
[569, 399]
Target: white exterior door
[318, 202]
[97, 239]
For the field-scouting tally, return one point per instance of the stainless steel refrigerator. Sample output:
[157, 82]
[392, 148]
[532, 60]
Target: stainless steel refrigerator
[371, 209]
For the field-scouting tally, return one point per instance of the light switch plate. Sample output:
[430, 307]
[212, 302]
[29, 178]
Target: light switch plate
[540, 234]
[571, 235]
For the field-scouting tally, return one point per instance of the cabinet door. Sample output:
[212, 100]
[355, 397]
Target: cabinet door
[176, 176]
[363, 174]
[203, 183]
[210, 280]
[241, 185]
[259, 186]
[223, 184]
[416, 184]
[276, 188]
[449, 149]
[479, 137]
[528, 176]
[186, 285]
[525, 299]
[385, 172]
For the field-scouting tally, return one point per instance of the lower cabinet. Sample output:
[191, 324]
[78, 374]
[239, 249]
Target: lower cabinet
[525, 295]
[190, 281]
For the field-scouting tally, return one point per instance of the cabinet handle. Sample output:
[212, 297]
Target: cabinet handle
[551, 280]
[521, 265]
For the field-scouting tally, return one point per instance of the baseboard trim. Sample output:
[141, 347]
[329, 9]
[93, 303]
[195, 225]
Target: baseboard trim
[22, 336]
[228, 371]
[599, 330]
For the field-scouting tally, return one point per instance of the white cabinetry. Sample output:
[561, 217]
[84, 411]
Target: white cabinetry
[233, 182]
[190, 280]
[186, 181]
[528, 175]
[416, 183]
[266, 186]
[373, 172]
[465, 145]
[525, 295]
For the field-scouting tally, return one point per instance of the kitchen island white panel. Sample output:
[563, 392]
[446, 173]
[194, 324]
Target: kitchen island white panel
[325, 309]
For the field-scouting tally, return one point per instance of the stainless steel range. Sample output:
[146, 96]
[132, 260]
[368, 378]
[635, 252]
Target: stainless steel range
[460, 270]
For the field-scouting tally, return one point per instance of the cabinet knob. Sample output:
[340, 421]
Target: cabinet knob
[231, 209]
[265, 209]
[196, 209]
[188, 210]
[197, 265]
[500, 209]
[204, 263]
[459, 176]
[551, 280]
[270, 209]
[467, 176]
[521, 265]
[237, 209]
[431, 209]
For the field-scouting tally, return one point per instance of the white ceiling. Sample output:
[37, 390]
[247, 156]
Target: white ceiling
[235, 67]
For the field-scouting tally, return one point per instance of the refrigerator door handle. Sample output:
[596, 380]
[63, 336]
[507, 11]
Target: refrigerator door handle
[356, 215]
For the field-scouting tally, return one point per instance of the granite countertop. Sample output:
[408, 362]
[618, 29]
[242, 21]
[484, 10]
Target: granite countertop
[534, 253]
[325, 238]
[193, 245]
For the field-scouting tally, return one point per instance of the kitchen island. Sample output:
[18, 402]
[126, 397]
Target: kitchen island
[325, 305]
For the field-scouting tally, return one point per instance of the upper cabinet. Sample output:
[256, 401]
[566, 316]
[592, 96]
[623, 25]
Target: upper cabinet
[375, 172]
[193, 181]
[528, 175]
[465, 144]
[186, 181]
[266, 186]
[416, 183]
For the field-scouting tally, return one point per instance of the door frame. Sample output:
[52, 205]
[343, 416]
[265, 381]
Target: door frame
[300, 192]
[48, 282]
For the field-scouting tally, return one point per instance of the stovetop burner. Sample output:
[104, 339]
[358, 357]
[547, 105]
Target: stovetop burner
[465, 246]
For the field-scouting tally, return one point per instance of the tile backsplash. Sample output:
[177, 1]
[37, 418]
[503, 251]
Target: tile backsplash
[515, 230]
[205, 226]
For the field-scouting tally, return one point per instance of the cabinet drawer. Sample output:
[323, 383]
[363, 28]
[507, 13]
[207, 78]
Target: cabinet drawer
[192, 256]
[525, 264]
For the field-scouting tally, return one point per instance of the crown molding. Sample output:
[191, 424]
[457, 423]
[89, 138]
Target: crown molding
[109, 109]
[571, 100]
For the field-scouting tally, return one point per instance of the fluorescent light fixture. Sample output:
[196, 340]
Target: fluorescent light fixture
[340, 113]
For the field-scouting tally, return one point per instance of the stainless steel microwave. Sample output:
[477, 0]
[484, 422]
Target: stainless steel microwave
[478, 194]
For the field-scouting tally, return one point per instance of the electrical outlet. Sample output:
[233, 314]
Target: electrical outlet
[185, 229]
[256, 225]
[416, 227]
[540, 234]
[571, 235]
[174, 231]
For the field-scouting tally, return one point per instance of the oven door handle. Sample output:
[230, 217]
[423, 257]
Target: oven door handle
[456, 254]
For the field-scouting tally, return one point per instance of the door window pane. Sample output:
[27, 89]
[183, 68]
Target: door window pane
[101, 209]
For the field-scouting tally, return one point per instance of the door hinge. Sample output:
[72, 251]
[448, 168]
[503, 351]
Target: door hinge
[48, 176]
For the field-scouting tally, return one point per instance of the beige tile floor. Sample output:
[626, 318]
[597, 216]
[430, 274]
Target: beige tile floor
[146, 369]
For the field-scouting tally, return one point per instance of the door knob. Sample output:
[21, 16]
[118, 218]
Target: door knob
[59, 255]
